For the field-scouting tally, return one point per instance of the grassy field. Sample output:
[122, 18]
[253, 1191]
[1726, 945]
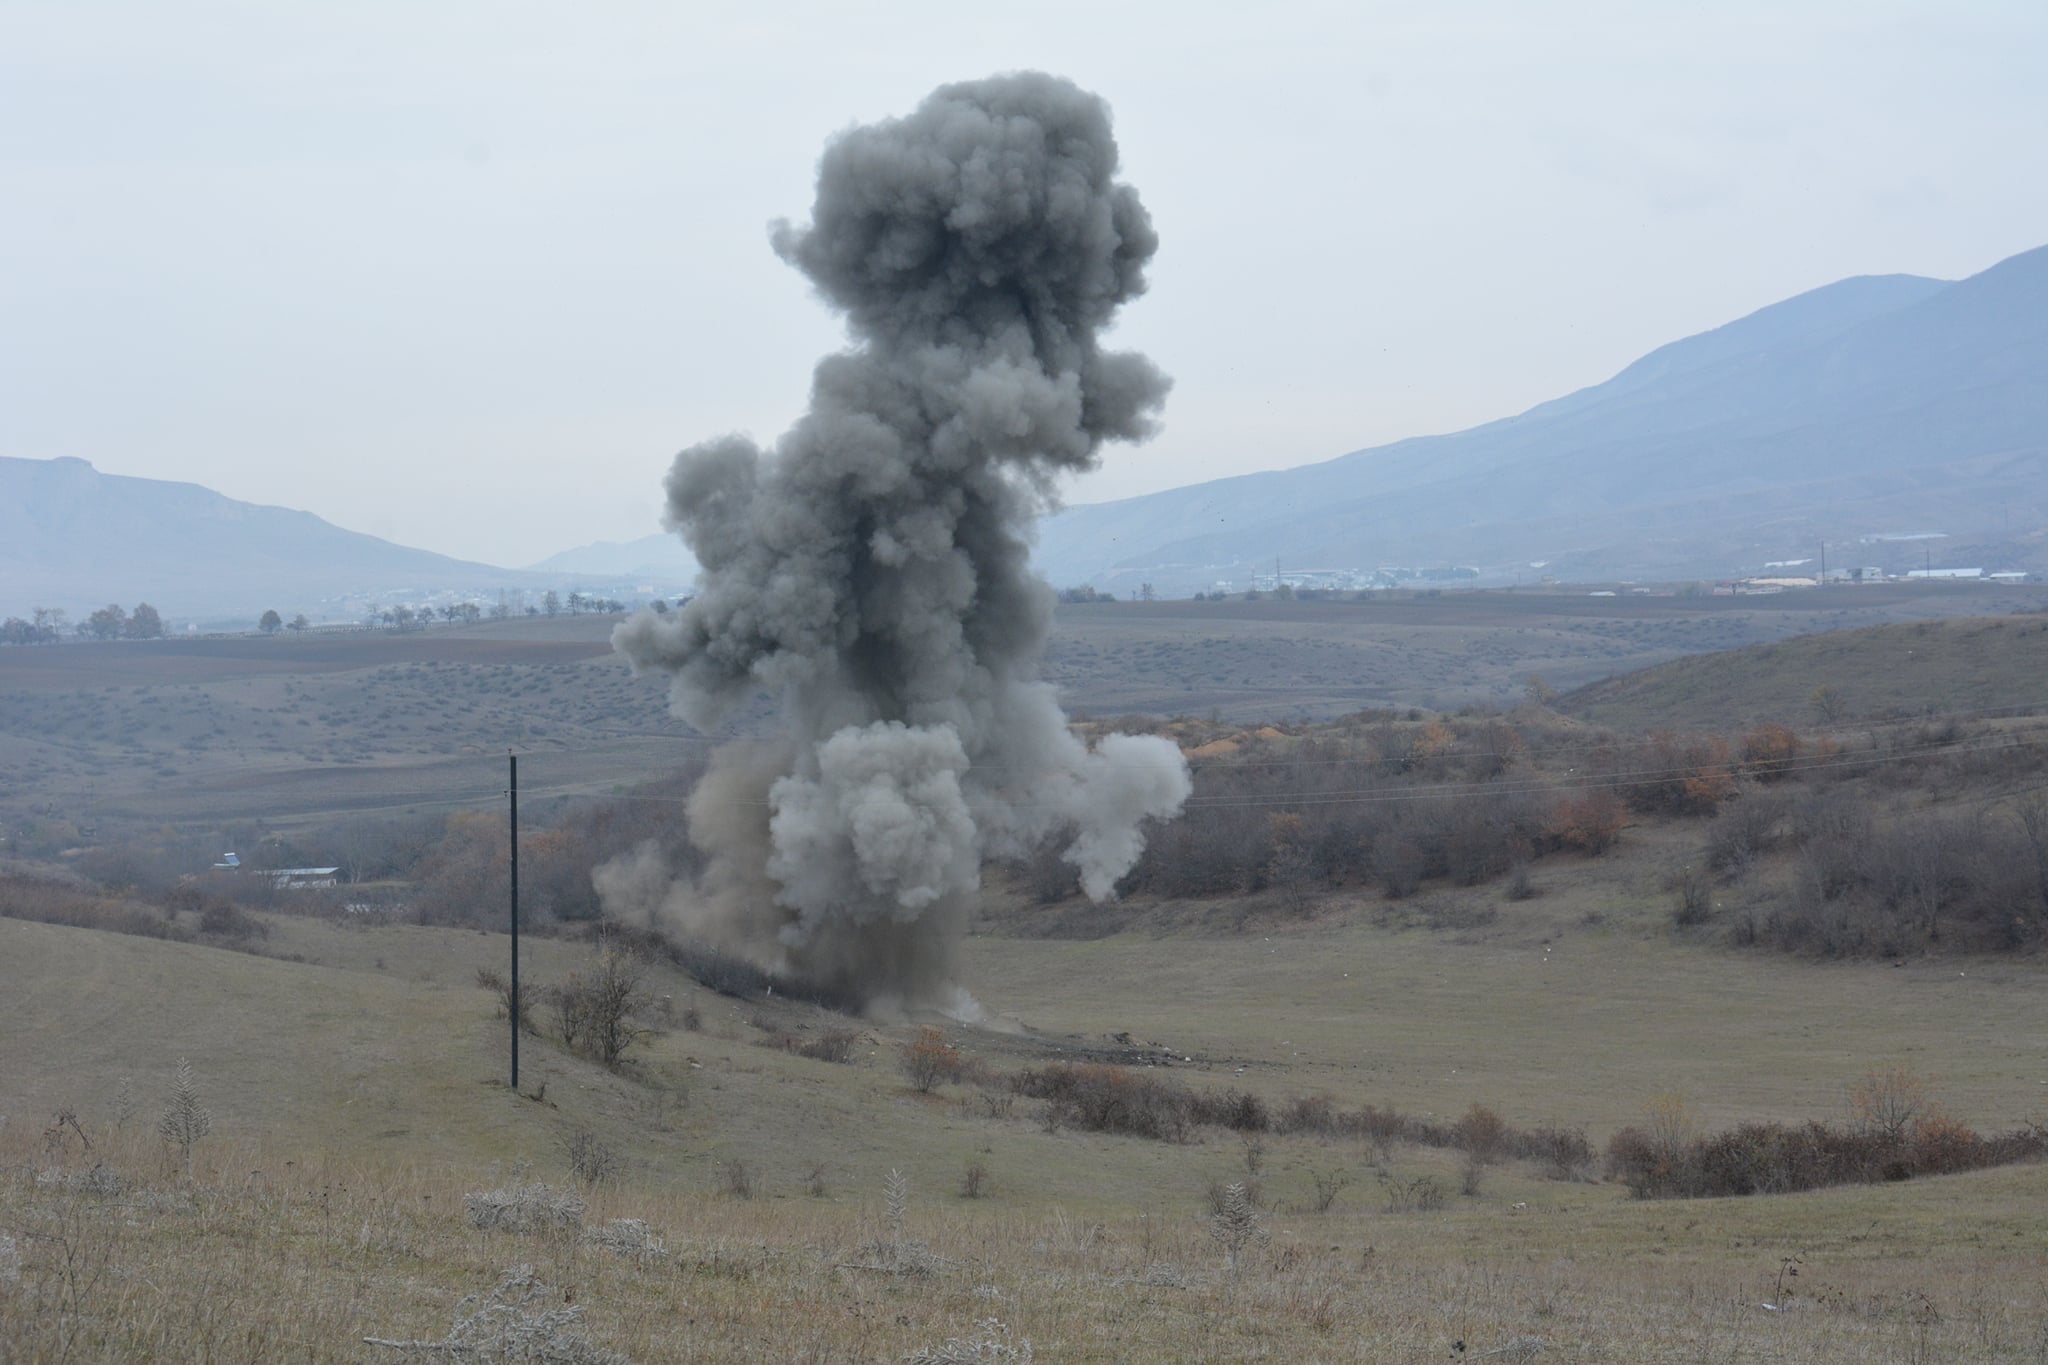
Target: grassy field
[1964, 665]
[358, 1094]
[1271, 660]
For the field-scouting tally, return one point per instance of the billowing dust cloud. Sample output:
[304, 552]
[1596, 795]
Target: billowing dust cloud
[871, 569]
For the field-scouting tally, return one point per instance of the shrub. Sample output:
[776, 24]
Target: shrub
[521, 1319]
[1769, 752]
[184, 1120]
[833, 1045]
[524, 1209]
[929, 1059]
[1692, 897]
[1481, 1134]
[591, 1158]
[1108, 1099]
[491, 981]
[599, 1015]
[1774, 1158]
[1589, 821]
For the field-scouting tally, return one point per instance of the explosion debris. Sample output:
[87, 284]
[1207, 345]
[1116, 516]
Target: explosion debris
[871, 569]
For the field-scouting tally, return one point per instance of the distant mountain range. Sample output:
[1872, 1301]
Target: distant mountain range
[659, 556]
[1866, 416]
[1856, 414]
[75, 538]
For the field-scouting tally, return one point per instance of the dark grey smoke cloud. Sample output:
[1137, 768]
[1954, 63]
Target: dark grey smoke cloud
[871, 570]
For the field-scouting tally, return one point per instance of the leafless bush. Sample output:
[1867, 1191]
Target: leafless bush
[1328, 1185]
[1237, 1224]
[991, 1343]
[833, 1045]
[929, 1059]
[974, 1180]
[519, 1320]
[487, 979]
[1692, 897]
[1423, 1194]
[1481, 1134]
[600, 1014]
[591, 1158]
[524, 1209]
[1745, 830]
[628, 1237]
[1564, 1153]
[739, 1182]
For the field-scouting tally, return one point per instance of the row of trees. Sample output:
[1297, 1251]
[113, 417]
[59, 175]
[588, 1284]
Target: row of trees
[45, 625]
[552, 603]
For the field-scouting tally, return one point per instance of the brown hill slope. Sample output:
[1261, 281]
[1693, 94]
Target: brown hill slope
[1926, 667]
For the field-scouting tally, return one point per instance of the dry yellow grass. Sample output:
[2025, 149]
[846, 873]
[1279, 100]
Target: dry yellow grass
[262, 1256]
[357, 1097]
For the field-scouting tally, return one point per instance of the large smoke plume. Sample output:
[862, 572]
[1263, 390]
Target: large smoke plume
[871, 570]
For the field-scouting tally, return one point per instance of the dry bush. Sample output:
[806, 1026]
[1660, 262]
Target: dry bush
[1563, 1153]
[591, 1159]
[520, 1319]
[525, 1210]
[1667, 774]
[928, 1059]
[1108, 1099]
[990, 1343]
[833, 1045]
[1236, 1224]
[1587, 821]
[1770, 752]
[497, 985]
[48, 900]
[1895, 1132]
[1328, 1185]
[1421, 1194]
[600, 1014]
[627, 1237]
[1744, 831]
[1692, 897]
[1481, 1134]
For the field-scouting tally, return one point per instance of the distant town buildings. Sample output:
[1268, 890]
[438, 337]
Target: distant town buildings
[1359, 580]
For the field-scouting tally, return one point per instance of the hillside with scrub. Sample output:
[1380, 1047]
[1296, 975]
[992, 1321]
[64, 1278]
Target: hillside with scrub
[1418, 1029]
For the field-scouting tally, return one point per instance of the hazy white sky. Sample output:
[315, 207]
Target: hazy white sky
[466, 275]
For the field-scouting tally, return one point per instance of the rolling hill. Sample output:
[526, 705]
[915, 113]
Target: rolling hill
[75, 538]
[1869, 409]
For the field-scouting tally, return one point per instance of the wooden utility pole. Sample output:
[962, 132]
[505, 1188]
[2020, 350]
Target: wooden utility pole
[512, 793]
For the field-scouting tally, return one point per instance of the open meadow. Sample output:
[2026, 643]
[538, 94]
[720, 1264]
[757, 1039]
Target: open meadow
[357, 1097]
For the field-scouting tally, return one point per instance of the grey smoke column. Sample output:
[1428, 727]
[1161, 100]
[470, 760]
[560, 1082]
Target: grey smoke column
[871, 570]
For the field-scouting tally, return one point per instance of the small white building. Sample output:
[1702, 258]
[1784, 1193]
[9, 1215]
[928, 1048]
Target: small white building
[302, 878]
